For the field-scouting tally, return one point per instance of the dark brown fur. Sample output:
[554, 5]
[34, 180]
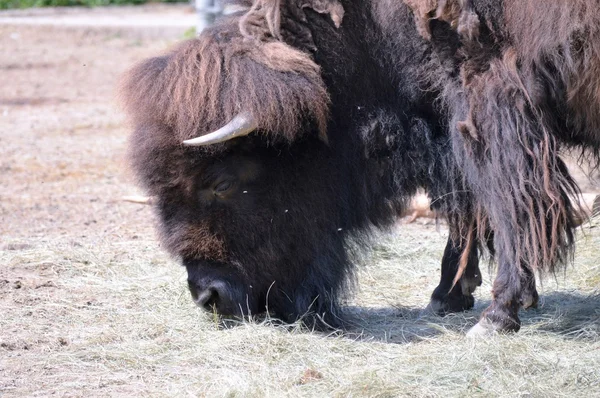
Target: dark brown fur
[533, 35]
[565, 33]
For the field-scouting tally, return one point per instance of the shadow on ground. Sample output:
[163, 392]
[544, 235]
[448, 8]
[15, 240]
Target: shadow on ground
[571, 315]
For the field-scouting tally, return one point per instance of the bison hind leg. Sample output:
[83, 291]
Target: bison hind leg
[448, 303]
[447, 298]
[528, 297]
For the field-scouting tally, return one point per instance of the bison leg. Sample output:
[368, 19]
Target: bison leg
[502, 314]
[511, 291]
[446, 298]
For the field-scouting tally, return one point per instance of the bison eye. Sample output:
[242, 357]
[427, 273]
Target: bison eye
[222, 187]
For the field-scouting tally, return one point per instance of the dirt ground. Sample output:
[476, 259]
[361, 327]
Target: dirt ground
[91, 306]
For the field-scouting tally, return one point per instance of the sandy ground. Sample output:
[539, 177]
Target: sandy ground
[90, 305]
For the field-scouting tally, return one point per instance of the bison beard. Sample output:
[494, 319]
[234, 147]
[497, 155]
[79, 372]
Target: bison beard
[352, 117]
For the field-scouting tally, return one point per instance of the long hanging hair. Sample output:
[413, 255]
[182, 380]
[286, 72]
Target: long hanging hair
[526, 86]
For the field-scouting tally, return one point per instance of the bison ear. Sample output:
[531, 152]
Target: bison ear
[332, 7]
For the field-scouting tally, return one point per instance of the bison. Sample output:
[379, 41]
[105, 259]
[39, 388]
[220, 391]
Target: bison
[283, 133]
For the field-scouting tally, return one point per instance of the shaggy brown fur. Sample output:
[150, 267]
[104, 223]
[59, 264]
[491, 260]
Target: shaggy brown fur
[558, 40]
[537, 215]
[207, 81]
[507, 94]
[566, 34]
[521, 83]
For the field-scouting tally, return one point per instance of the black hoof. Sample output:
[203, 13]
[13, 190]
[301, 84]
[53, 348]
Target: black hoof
[451, 303]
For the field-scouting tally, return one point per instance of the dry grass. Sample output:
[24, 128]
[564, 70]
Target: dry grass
[115, 318]
[90, 305]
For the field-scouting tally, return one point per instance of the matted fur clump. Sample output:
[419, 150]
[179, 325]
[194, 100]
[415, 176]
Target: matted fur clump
[278, 14]
[457, 13]
[203, 83]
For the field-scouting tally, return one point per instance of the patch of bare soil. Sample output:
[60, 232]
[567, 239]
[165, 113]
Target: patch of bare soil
[62, 174]
[63, 134]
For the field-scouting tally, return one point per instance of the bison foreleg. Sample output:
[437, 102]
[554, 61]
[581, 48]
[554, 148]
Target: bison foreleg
[511, 291]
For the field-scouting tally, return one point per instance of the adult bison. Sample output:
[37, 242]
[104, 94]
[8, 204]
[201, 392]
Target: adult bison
[326, 117]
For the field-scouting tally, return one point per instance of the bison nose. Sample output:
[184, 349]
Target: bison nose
[212, 297]
[208, 299]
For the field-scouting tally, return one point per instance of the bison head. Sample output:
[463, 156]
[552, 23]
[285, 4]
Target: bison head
[252, 143]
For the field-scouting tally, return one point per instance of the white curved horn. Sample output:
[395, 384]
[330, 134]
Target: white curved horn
[242, 124]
